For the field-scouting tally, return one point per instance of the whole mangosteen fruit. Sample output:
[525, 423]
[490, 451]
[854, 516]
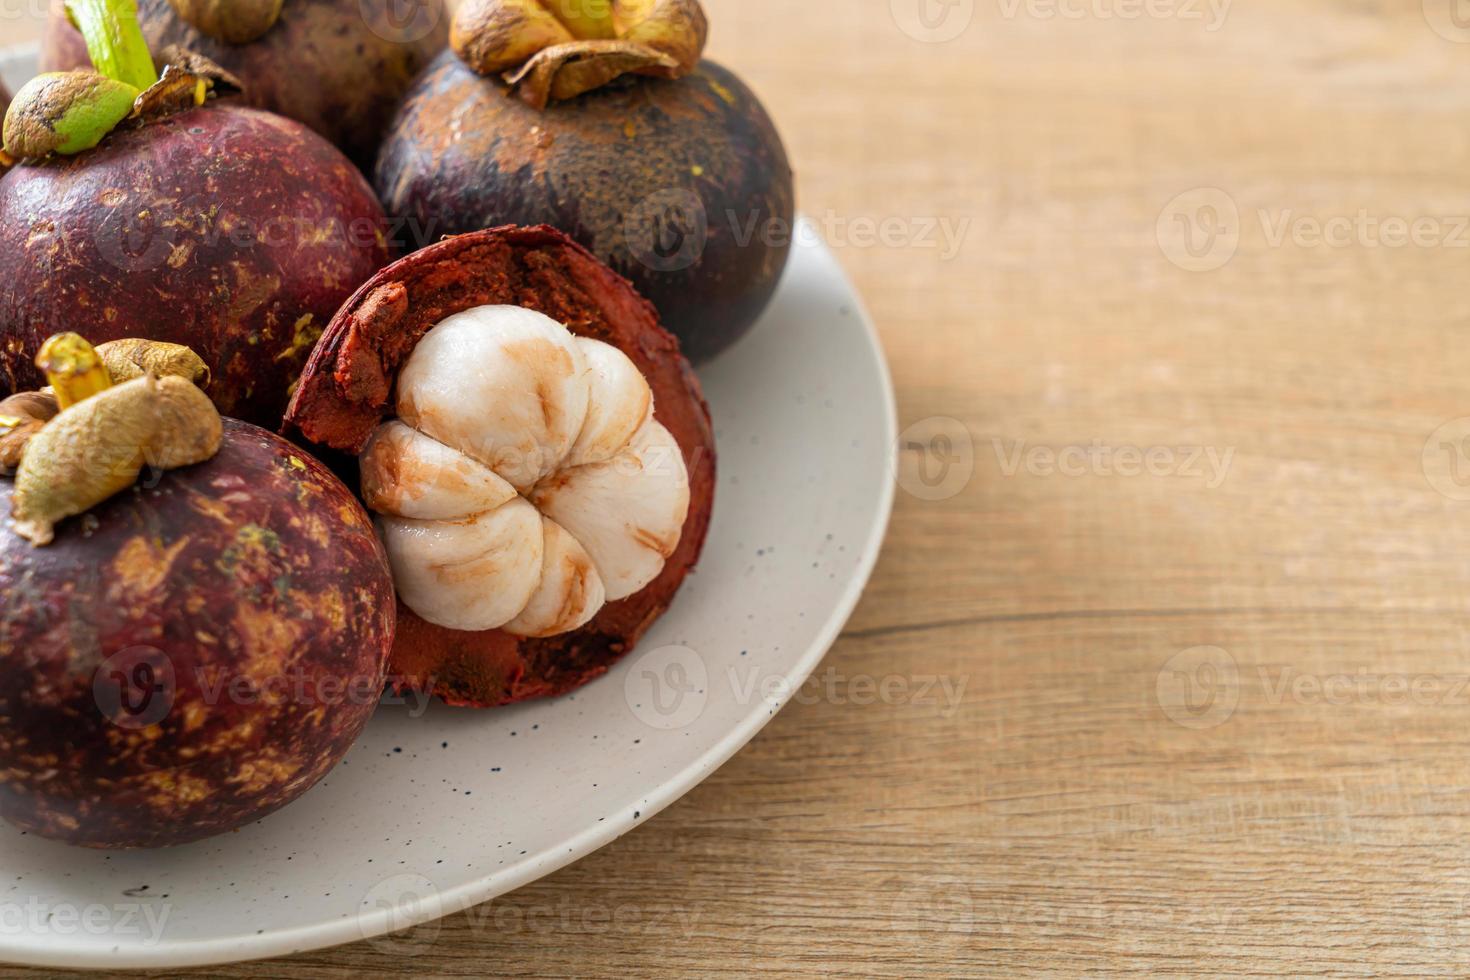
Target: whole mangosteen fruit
[523, 420]
[188, 652]
[667, 167]
[337, 66]
[229, 230]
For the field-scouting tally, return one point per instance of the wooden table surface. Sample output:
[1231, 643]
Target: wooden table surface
[1185, 377]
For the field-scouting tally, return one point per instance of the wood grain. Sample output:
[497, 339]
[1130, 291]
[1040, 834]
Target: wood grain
[1205, 720]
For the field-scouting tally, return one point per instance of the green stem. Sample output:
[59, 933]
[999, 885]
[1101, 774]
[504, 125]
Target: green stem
[114, 40]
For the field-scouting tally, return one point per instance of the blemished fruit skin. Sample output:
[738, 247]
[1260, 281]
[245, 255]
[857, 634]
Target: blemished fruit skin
[194, 653]
[346, 391]
[233, 231]
[337, 66]
[683, 187]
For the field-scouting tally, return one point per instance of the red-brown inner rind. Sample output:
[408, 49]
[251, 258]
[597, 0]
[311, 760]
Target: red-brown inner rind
[346, 391]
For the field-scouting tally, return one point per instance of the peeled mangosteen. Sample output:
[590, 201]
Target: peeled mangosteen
[525, 423]
[667, 167]
[198, 615]
[232, 231]
[337, 66]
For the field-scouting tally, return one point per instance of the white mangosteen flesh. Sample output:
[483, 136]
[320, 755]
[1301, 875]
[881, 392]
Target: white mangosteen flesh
[525, 482]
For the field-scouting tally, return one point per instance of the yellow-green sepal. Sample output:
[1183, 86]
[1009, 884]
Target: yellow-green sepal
[65, 113]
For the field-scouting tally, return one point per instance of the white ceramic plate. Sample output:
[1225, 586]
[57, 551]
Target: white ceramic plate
[441, 809]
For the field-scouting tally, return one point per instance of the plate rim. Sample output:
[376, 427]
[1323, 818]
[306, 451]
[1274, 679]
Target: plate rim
[367, 926]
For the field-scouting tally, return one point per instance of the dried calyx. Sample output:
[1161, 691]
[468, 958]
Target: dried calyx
[89, 372]
[133, 358]
[550, 50]
[91, 438]
[230, 21]
[66, 113]
[21, 417]
[526, 481]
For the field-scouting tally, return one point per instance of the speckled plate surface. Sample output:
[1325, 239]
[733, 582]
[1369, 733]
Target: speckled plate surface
[437, 809]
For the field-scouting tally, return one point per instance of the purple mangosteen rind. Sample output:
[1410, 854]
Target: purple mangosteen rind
[192, 654]
[231, 231]
[228, 230]
[335, 66]
[682, 186]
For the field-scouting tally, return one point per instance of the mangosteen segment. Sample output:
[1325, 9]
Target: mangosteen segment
[351, 387]
[525, 481]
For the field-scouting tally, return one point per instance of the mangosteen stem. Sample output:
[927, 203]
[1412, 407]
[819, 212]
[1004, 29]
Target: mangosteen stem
[73, 368]
[115, 40]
